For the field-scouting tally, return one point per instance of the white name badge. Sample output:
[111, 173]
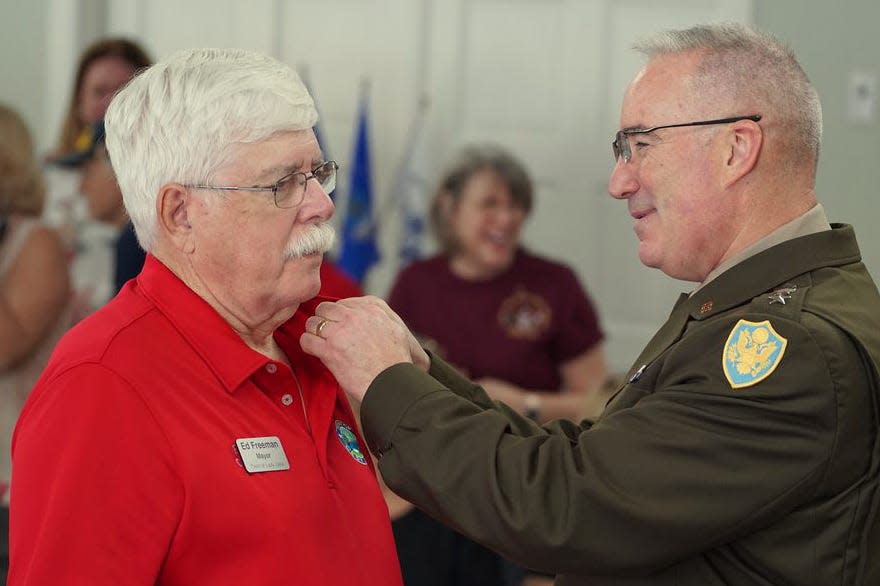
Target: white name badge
[262, 454]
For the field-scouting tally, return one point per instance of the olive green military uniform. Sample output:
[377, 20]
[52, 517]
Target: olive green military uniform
[743, 451]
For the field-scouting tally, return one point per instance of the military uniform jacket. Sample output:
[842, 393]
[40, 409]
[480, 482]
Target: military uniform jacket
[743, 451]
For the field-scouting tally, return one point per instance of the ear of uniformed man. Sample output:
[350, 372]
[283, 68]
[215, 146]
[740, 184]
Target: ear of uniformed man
[358, 338]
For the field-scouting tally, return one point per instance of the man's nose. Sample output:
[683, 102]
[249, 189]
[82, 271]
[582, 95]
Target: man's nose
[318, 200]
[623, 181]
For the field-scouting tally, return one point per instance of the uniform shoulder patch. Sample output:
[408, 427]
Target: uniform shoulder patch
[752, 352]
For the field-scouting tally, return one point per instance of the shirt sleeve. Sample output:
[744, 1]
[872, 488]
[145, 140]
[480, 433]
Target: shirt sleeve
[579, 329]
[95, 497]
[671, 476]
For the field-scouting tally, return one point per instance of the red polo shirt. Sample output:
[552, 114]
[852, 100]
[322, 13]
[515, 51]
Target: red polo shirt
[126, 469]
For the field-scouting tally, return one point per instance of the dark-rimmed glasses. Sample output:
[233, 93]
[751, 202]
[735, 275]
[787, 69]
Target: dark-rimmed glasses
[620, 145]
[290, 190]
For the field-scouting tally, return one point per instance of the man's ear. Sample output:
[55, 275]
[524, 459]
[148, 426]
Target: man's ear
[745, 140]
[173, 207]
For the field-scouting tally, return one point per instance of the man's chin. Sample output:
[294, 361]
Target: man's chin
[648, 257]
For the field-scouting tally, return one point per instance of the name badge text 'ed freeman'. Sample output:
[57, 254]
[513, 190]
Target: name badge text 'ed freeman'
[262, 454]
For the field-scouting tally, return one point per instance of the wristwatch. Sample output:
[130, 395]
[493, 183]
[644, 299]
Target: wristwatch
[533, 406]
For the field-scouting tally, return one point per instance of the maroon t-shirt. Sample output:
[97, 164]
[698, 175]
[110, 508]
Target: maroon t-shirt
[519, 326]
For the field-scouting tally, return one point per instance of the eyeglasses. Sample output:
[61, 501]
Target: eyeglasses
[290, 190]
[620, 145]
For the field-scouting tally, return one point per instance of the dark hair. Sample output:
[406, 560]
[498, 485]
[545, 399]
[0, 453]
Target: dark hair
[127, 50]
[471, 160]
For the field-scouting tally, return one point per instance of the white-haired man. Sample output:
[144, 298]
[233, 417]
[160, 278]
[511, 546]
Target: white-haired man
[180, 435]
[744, 448]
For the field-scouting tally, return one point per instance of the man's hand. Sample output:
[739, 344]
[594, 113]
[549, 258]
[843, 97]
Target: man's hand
[357, 338]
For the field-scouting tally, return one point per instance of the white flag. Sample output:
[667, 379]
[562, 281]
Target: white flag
[412, 187]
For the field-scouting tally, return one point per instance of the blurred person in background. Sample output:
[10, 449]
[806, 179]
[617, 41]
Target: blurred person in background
[92, 243]
[34, 289]
[103, 68]
[520, 324]
[121, 258]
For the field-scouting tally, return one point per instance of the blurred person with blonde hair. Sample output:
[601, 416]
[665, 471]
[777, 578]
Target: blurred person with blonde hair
[33, 290]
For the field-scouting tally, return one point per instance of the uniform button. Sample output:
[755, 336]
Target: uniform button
[271, 368]
[287, 399]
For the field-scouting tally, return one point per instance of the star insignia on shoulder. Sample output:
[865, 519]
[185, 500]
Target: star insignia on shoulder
[781, 295]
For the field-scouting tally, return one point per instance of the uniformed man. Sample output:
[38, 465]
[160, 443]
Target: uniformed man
[744, 447]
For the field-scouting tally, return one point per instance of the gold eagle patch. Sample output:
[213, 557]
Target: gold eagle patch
[752, 352]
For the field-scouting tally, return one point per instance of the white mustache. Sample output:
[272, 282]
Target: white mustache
[316, 238]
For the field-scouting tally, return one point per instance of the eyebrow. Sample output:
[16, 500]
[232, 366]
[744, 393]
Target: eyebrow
[279, 171]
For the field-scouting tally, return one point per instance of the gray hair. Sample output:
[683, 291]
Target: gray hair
[180, 120]
[747, 67]
[470, 161]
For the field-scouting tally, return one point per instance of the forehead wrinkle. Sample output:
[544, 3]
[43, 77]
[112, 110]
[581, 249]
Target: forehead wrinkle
[279, 171]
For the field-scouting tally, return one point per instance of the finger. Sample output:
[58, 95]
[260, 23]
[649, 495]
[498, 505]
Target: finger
[372, 303]
[332, 310]
[317, 326]
[313, 345]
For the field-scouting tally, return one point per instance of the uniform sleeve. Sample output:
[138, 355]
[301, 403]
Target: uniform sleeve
[95, 499]
[690, 466]
[579, 328]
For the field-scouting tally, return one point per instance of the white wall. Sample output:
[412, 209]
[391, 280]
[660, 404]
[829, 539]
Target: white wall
[23, 64]
[832, 40]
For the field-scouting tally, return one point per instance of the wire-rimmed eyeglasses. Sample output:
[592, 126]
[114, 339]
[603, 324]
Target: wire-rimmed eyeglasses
[290, 190]
[621, 148]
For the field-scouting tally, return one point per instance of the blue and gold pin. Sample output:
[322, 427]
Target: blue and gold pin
[752, 352]
[349, 441]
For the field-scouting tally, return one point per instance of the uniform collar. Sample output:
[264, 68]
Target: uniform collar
[812, 221]
[210, 336]
[773, 267]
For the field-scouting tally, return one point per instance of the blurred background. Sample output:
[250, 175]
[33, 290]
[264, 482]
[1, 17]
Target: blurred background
[541, 77]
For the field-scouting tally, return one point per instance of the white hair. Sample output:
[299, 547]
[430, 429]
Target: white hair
[179, 120]
[744, 67]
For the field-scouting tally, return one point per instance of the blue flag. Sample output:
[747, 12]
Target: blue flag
[359, 250]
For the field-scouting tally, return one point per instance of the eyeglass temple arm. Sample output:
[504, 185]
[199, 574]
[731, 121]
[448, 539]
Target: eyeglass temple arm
[753, 118]
[226, 188]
